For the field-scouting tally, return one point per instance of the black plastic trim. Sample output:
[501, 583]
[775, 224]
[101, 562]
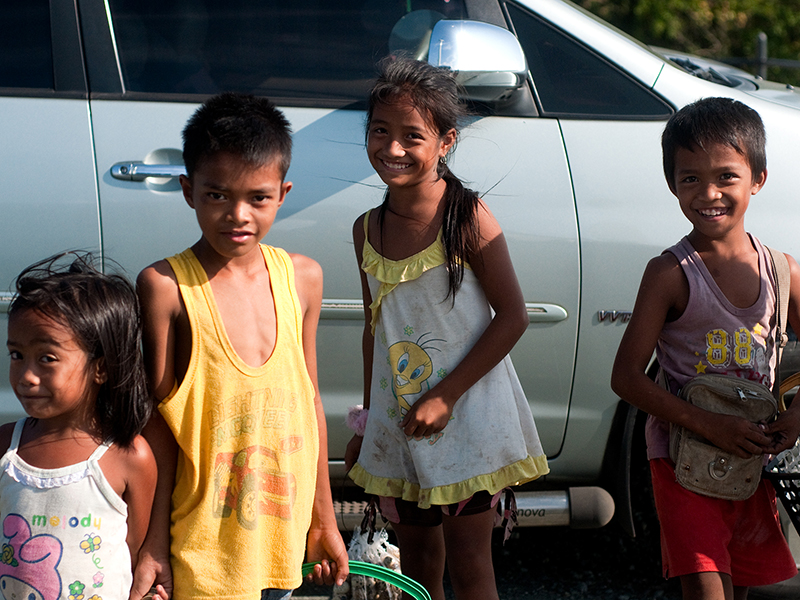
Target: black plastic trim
[487, 11]
[101, 61]
[9, 92]
[69, 73]
[596, 117]
[199, 98]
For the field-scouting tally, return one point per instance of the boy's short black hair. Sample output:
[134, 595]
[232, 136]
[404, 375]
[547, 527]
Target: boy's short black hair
[715, 121]
[241, 124]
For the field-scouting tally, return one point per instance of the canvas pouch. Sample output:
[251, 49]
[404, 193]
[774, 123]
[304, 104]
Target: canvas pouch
[702, 467]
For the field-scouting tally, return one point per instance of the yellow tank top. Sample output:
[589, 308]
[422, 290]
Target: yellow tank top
[246, 472]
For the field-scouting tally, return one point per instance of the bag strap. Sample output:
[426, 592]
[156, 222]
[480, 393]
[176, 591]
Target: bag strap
[780, 268]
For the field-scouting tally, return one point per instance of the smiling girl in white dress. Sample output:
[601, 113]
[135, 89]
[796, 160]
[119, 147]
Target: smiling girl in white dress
[447, 426]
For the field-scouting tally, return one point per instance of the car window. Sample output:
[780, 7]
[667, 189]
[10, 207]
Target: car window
[25, 45]
[301, 49]
[572, 81]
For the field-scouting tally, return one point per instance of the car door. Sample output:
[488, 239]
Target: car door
[611, 125]
[49, 196]
[316, 61]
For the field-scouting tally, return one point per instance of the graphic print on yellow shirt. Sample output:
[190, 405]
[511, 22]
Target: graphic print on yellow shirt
[251, 482]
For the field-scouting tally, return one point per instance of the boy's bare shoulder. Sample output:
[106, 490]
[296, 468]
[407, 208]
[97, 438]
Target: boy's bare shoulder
[665, 282]
[307, 279]
[305, 267]
[157, 283]
[156, 272]
[665, 264]
[794, 268]
[664, 272]
[794, 272]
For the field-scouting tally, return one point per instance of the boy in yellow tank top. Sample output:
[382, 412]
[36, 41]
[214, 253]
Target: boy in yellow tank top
[230, 343]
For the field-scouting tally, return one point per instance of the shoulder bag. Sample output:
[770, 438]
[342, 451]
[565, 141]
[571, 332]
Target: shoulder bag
[701, 466]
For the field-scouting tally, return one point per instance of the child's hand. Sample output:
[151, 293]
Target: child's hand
[352, 451]
[783, 432]
[157, 592]
[430, 414]
[326, 546]
[149, 572]
[734, 434]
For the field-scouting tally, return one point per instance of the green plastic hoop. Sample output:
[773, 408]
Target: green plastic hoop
[405, 583]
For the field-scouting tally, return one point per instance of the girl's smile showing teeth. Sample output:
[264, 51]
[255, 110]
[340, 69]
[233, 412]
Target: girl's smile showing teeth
[395, 166]
[403, 147]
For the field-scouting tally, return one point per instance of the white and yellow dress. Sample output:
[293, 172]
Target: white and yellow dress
[420, 334]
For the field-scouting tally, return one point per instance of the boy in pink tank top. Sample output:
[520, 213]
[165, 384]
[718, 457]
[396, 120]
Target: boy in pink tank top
[230, 347]
[706, 305]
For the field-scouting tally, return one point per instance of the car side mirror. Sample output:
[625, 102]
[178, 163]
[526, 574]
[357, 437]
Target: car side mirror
[489, 61]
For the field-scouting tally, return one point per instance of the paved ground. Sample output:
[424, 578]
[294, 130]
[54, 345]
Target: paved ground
[558, 564]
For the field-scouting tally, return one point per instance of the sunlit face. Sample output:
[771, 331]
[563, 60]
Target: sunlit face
[51, 374]
[235, 202]
[714, 186]
[403, 147]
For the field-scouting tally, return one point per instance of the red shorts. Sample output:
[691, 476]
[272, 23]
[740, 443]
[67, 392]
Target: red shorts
[701, 534]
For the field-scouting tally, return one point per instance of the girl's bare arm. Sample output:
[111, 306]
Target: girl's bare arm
[139, 466]
[367, 340]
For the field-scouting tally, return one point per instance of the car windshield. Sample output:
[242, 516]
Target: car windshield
[709, 70]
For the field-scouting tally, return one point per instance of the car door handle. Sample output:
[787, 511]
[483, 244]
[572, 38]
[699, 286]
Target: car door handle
[545, 313]
[137, 171]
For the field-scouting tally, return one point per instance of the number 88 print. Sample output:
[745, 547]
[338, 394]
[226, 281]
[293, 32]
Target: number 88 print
[718, 351]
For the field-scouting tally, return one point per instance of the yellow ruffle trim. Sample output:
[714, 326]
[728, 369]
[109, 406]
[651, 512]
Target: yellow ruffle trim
[393, 272]
[520, 472]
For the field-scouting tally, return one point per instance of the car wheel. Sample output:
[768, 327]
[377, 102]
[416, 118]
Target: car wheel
[247, 512]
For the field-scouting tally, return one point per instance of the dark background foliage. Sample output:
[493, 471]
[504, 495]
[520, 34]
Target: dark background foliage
[718, 29]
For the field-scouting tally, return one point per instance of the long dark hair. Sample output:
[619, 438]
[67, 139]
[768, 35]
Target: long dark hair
[433, 91]
[103, 313]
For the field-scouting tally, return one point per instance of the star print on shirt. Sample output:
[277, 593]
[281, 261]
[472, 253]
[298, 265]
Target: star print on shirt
[700, 367]
[757, 329]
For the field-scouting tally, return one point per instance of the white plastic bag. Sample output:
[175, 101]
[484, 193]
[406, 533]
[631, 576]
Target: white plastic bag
[379, 552]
